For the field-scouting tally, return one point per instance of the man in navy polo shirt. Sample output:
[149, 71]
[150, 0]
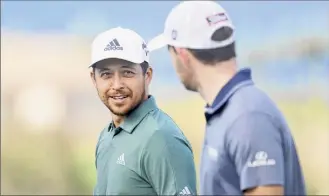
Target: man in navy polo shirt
[248, 148]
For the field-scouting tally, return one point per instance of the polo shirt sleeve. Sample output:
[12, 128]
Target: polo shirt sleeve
[254, 144]
[168, 165]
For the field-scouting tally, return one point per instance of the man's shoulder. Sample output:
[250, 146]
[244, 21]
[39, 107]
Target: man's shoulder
[251, 100]
[248, 103]
[158, 120]
[164, 129]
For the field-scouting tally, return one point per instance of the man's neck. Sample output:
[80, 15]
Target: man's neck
[117, 120]
[213, 78]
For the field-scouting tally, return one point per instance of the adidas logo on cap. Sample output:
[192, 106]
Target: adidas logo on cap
[113, 45]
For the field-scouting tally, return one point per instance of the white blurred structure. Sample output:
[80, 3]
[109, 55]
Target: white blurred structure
[40, 105]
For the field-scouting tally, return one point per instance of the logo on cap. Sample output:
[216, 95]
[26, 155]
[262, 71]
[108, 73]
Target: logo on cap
[113, 45]
[217, 18]
[174, 34]
[145, 48]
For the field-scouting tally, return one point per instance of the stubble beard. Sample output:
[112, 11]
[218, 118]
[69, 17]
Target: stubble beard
[190, 86]
[186, 77]
[126, 111]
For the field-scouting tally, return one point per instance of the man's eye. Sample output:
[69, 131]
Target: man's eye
[128, 73]
[105, 74]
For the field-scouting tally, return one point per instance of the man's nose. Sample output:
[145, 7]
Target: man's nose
[116, 82]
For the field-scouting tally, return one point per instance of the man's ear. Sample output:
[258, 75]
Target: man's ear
[148, 75]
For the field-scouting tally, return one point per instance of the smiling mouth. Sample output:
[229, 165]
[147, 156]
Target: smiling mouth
[121, 97]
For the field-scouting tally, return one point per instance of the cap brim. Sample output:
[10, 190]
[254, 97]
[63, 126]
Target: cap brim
[137, 61]
[157, 42]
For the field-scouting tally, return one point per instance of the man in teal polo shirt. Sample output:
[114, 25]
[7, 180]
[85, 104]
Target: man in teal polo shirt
[142, 151]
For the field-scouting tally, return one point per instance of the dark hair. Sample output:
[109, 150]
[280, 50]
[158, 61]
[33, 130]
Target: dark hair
[143, 65]
[212, 56]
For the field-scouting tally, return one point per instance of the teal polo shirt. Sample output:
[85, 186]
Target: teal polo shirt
[146, 155]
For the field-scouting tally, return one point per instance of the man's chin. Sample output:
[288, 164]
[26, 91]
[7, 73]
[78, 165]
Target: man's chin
[190, 87]
[123, 110]
[119, 112]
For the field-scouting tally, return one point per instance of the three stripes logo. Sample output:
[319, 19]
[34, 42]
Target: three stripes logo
[113, 45]
[121, 160]
[185, 191]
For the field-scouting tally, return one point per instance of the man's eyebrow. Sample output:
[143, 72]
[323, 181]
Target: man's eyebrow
[129, 67]
[103, 69]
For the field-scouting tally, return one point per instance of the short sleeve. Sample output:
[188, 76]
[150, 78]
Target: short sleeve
[168, 165]
[255, 146]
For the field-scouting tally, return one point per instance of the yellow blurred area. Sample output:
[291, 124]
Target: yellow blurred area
[59, 164]
[51, 117]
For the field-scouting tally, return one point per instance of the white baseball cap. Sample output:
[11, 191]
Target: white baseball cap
[191, 24]
[119, 43]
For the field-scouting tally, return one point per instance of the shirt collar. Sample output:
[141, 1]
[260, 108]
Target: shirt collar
[239, 80]
[137, 115]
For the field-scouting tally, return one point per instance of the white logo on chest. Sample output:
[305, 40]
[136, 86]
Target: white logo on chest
[121, 159]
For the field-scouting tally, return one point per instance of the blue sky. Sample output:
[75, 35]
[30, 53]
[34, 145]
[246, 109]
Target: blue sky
[258, 23]
[255, 20]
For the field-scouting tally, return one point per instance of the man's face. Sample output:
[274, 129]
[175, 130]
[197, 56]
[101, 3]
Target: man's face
[184, 69]
[121, 85]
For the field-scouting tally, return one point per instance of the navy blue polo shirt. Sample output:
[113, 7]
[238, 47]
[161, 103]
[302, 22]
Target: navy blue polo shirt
[247, 143]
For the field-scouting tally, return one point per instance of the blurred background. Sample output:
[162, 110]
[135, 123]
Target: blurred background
[51, 115]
